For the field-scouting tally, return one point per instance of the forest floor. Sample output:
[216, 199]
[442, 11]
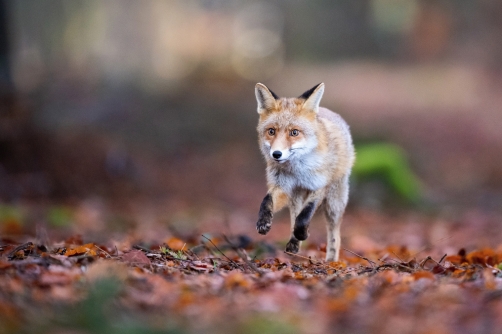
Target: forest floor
[404, 272]
[143, 266]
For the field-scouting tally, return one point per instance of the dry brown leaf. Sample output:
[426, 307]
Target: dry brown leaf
[423, 274]
[236, 279]
[136, 257]
[87, 249]
[485, 256]
[175, 244]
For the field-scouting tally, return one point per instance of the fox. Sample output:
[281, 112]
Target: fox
[309, 155]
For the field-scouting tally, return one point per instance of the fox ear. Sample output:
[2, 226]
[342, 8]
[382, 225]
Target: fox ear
[313, 97]
[265, 98]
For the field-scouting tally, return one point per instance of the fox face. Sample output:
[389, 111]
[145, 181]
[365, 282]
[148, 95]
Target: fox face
[284, 140]
[287, 127]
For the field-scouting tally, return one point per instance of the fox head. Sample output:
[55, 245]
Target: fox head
[287, 128]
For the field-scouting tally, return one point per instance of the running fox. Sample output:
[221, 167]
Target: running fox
[309, 155]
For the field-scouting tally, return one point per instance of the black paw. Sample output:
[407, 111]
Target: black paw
[265, 215]
[263, 226]
[293, 246]
[301, 232]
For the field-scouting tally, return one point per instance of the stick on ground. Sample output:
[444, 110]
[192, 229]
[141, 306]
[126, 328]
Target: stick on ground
[360, 256]
[250, 264]
[230, 260]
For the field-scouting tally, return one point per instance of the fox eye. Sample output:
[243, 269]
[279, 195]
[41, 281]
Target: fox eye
[271, 131]
[294, 133]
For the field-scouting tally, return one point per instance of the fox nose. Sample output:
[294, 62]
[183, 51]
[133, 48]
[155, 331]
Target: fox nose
[277, 154]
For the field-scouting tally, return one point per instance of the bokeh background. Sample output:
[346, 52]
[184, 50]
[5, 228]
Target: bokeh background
[150, 104]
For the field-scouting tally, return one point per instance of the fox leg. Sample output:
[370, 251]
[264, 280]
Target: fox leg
[302, 221]
[335, 203]
[273, 201]
[334, 242]
[293, 245]
[301, 214]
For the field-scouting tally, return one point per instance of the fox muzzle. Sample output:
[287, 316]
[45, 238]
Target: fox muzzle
[280, 155]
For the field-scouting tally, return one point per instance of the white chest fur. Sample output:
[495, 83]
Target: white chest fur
[304, 173]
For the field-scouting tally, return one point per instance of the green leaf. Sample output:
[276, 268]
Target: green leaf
[388, 162]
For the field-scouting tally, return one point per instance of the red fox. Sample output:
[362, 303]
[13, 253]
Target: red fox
[309, 155]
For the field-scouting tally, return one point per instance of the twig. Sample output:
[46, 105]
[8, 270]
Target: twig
[244, 258]
[310, 260]
[402, 261]
[106, 253]
[231, 261]
[192, 253]
[196, 248]
[24, 246]
[428, 258]
[210, 250]
[144, 249]
[303, 257]
[384, 257]
[362, 257]
[424, 261]
[407, 269]
[385, 261]
[393, 265]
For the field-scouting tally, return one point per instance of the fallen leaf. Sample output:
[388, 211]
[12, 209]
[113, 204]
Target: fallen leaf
[454, 259]
[136, 257]
[423, 274]
[236, 279]
[484, 257]
[175, 244]
[87, 249]
[200, 266]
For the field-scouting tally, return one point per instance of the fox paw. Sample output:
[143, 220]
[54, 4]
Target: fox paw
[301, 232]
[263, 226]
[293, 246]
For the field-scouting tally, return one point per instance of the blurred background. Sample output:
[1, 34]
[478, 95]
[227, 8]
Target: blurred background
[150, 104]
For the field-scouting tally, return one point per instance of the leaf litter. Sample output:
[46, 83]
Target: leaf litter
[195, 282]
